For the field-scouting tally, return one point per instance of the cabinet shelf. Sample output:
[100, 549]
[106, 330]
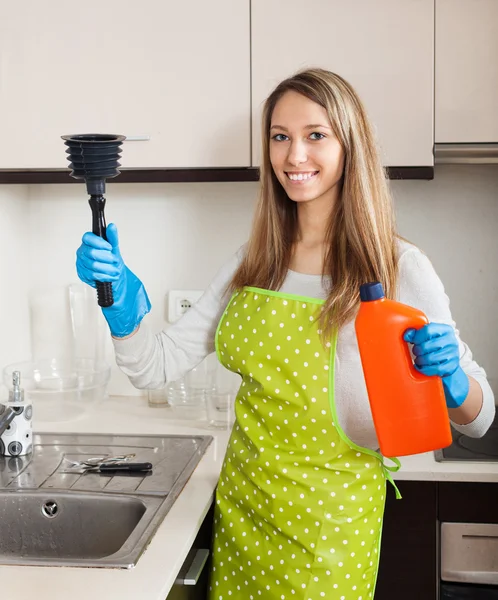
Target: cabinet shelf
[187, 175]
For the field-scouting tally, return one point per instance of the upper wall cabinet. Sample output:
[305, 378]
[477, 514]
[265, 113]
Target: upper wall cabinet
[177, 73]
[385, 49]
[466, 71]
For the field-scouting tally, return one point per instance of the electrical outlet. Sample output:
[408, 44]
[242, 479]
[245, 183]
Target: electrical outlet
[179, 301]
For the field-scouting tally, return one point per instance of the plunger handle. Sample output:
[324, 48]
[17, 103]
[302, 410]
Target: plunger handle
[94, 158]
[97, 204]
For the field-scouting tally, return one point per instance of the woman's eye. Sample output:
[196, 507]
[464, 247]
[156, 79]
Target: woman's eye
[279, 137]
[317, 135]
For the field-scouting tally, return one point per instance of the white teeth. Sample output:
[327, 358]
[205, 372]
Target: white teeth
[300, 176]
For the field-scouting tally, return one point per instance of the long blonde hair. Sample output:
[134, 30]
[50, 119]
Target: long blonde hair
[361, 234]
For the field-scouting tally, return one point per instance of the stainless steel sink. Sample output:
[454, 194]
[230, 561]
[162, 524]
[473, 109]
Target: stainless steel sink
[51, 517]
[71, 525]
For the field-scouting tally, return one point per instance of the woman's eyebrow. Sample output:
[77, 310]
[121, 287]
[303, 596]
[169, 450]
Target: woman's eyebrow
[315, 125]
[311, 126]
[279, 127]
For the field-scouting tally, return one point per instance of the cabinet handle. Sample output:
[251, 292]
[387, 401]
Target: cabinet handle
[137, 138]
[453, 154]
[192, 567]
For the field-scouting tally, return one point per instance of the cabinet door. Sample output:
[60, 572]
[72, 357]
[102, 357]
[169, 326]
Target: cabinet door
[385, 49]
[468, 502]
[176, 72]
[199, 591]
[408, 556]
[466, 71]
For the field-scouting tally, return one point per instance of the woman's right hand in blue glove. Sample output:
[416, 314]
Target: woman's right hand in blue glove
[100, 260]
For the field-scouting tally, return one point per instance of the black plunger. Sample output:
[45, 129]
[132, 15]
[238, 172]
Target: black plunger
[94, 158]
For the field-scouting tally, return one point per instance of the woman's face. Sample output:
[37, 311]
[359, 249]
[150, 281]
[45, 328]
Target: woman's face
[306, 156]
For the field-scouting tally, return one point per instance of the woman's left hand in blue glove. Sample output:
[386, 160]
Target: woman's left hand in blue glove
[436, 351]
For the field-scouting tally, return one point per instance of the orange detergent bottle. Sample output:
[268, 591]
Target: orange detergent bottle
[408, 408]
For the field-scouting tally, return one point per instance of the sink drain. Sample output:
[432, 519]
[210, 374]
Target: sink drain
[50, 509]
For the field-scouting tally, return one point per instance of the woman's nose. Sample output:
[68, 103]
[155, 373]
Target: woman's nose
[297, 153]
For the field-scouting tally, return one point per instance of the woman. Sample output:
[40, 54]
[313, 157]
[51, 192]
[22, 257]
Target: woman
[301, 495]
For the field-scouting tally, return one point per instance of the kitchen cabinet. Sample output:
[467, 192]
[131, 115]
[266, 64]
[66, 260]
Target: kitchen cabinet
[468, 502]
[408, 557]
[385, 49]
[199, 591]
[411, 532]
[409, 553]
[174, 72]
[408, 547]
[466, 94]
[468, 520]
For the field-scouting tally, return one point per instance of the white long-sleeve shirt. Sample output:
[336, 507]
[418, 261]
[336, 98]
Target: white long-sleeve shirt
[151, 361]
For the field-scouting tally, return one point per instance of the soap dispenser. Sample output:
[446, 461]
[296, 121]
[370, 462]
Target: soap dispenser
[16, 432]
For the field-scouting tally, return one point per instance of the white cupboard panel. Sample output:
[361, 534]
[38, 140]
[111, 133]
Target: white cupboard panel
[466, 71]
[385, 49]
[175, 72]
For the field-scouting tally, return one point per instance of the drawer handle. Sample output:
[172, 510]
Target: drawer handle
[196, 561]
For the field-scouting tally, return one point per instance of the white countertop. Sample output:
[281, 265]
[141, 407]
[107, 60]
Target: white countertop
[156, 570]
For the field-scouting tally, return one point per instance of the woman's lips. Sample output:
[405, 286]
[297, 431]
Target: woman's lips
[300, 177]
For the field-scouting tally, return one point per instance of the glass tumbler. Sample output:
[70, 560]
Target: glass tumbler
[187, 396]
[220, 400]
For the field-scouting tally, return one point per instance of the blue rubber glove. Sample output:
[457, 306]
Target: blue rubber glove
[436, 351]
[98, 260]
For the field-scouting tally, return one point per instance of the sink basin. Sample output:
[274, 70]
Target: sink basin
[52, 517]
[41, 525]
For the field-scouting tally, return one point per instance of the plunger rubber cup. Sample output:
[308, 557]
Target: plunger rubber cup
[93, 157]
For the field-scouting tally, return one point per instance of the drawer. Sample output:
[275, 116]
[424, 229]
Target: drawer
[469, 553]
[460, 502]
[192, 580]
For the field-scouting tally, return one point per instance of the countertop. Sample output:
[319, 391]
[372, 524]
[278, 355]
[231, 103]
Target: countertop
[155, 572]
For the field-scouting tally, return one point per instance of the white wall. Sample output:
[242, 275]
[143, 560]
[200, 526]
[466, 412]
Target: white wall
[175, 236]
[14, 236]
[454, 219]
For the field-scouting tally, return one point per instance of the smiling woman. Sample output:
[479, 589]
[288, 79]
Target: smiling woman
[305, 154]
[319, 152]
[300, 500]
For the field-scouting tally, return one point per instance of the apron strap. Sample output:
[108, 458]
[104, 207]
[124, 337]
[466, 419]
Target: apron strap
[388, 469]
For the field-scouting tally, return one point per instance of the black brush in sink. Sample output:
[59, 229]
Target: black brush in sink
[111, 468]
[124, 467]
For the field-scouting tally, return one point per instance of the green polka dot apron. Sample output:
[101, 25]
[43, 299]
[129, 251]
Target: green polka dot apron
[299, 506]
